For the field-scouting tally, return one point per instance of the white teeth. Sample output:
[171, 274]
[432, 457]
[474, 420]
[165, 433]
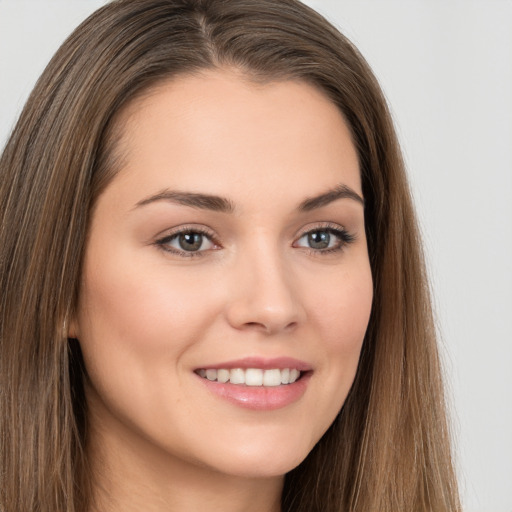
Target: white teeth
[252, 376]
[222, 375]
[237, 376]
[211, 374]
[294, 374]
[271, 378]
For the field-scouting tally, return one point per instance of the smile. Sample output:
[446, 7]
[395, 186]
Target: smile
[252, 376]
[257, 383]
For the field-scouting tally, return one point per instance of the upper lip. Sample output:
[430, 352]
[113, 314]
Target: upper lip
[261, 362]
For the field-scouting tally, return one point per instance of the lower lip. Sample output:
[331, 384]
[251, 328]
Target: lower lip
[259, 398]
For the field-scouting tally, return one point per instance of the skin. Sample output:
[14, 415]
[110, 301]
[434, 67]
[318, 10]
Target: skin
[148, 317]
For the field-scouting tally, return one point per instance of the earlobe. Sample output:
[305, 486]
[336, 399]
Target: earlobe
[72, 328]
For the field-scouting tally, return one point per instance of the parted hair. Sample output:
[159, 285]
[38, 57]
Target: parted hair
[389, 448]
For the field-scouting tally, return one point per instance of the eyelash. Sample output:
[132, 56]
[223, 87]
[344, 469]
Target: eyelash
[345, 238]
[162, 243]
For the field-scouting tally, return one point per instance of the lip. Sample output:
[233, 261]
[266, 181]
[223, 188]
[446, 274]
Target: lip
[260, 362]
[260, 398]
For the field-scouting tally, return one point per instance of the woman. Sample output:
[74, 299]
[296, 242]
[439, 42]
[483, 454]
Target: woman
[213, 293]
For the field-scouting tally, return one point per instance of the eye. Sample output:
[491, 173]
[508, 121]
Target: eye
[325, 239]
[188, 242]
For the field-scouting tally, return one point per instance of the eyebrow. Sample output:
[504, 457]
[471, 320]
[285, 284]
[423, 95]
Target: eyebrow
[339, 192]
[192, 199]
[223, 205]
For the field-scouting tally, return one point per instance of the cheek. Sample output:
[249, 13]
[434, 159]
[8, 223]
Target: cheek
[138, 304]
[136, 316]
[341, 314]
[137, 325]
[343, 309]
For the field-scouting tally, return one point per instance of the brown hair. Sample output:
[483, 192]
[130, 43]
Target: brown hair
[388, 450]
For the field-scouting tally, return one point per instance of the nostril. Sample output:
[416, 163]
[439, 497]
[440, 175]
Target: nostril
[269, 327]
[257, 326]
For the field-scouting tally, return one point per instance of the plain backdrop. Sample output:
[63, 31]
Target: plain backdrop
[446, 68]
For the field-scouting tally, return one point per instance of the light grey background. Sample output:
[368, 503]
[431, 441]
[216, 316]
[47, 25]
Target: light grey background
[446, 68]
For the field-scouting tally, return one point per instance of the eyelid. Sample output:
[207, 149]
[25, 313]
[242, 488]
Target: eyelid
[327, 226]
[185, 228]
[164, 237]
[338, 230]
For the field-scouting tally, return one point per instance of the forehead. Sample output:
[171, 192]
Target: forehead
[205, 131]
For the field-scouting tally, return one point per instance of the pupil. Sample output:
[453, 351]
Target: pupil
[190, 241]
[319, 239]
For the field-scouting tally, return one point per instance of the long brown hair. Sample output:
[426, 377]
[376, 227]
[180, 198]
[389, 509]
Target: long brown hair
[388, 450]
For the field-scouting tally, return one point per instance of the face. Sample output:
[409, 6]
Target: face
[226, 285]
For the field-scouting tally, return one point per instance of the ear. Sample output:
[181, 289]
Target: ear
[73, 328]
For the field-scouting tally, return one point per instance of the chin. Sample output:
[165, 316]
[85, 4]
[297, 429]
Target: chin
[261, 469]
[261, 460]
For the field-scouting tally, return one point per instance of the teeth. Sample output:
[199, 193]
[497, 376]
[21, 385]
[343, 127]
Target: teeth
[272, 378]
[294, 374]
[252, 376]
[237, 376]
[223, 375]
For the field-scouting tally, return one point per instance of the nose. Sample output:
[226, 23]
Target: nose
[264, 294]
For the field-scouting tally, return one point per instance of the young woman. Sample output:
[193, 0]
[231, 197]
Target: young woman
[213, 294]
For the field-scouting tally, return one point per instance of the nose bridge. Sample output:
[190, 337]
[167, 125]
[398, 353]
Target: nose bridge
[263, 288]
